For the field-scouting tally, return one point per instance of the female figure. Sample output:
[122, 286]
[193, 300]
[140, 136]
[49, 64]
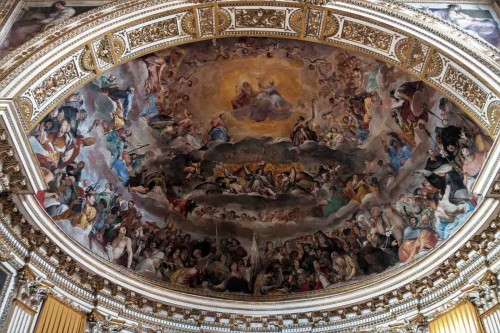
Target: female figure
[219, 132]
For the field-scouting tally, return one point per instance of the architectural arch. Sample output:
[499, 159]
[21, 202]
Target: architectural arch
[43, 72]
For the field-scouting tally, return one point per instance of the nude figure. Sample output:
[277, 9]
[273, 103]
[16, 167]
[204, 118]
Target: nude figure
[118, 247]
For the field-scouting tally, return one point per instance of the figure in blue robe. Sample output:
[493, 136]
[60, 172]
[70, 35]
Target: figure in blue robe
[399, 152]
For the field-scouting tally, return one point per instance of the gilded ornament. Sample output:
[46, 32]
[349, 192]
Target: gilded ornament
[118, 46]
[465, 87]
[314, 2]
[435, 65]
[206, 21]
[493, 112]
[295, 21]
[25, 106]
[314, 20]
[224, 20]
[56, 81]
[5, 253]
[103, 51]
[87, 61]
[367, 36]
[153, 33]
[403, 49]
[189, 23]
[418, 57]
[260, 18]
[331, 25]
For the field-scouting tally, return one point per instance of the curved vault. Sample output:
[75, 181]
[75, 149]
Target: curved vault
[440, 66]
[219, 151]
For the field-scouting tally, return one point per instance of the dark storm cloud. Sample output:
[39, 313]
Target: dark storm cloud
[255, 202]
[310, 154]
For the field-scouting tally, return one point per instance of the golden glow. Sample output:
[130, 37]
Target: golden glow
[461, 319]
[222, 82]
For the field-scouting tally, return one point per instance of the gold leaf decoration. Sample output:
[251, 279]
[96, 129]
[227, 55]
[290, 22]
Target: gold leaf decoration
[295, 21]
[118, 46]
[189, 23]
[58, 80]
[260, 18]
[435, 65]
[153, 32]
[104, 51]
[403, 49]
[314, 19]
[331, 25]
[465, 87]
[206, 21]
[493, 112]
[25, 106]
[367, 36]
[418, 57]
[224, 20]
[87, 61]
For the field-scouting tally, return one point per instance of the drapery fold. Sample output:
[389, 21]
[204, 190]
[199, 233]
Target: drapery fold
[461, 319]
[57, 317]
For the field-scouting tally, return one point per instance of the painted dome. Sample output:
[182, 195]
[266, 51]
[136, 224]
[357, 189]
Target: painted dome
[258, 166]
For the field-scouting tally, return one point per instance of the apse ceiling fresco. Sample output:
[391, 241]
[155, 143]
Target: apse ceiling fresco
[258, 166]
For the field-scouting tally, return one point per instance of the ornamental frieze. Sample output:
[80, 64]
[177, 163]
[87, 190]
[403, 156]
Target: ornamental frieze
[403, 50]
[153, 32]
[466, 87]
[206, 21]
[493, 113]
[266, 19]
[296, 19]
[331, 26]
[223, 20]
[365, 35]
[260, 18]
[314, 22]
[103, 53]
[51, 85]
[435, 65]
[418, 57]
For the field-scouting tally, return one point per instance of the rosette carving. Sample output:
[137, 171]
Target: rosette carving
[435, 65]
[224, 20]
[403, 50]
[118, 46]
[296, 21]
[331, 25]
[189, 23]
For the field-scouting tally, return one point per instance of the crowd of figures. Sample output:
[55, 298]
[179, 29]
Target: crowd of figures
[138, 181]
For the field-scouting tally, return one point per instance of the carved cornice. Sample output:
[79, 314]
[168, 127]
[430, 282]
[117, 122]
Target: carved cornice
[12, 178]
[30, 291]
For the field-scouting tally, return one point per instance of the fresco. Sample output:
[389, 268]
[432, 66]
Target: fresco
[258, 166]
[480, 20]
[36, 19]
